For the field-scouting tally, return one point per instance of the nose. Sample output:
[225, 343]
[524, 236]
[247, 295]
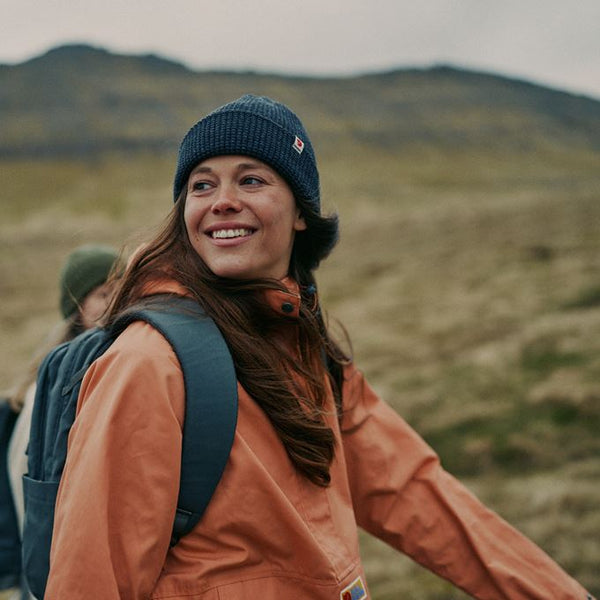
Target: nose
[226, 201]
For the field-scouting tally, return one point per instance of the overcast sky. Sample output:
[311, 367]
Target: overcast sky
[553, 42]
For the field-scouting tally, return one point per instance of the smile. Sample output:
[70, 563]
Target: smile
[230, 233]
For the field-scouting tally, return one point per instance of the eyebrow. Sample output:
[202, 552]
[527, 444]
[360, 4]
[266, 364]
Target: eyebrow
[239, 167]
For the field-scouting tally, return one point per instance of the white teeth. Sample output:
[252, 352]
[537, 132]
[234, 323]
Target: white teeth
[230, 233]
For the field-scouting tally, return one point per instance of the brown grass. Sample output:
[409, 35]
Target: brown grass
[466, 283]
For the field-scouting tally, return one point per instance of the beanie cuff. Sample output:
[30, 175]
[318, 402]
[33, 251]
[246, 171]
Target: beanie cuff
[231, 132]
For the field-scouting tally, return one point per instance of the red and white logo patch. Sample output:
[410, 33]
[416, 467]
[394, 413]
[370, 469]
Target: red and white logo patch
[298, 145]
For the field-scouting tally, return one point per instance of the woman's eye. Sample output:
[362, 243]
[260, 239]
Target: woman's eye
[200, 186]
[251, 180]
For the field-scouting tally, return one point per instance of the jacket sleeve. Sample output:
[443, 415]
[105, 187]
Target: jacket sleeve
[402, 495]
[118, 493]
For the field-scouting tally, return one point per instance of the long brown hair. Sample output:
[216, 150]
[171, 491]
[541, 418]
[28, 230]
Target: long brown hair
[291, 389]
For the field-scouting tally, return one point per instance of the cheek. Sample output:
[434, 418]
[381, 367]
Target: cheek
[192, 218]
[92, 310]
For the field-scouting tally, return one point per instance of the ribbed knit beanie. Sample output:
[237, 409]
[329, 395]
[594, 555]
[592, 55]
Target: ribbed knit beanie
[254, 126]
[85, 268]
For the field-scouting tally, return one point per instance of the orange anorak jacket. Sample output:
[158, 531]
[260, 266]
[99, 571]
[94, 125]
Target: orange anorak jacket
[268, 532]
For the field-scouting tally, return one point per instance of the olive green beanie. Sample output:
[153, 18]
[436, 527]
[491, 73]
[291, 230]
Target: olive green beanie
[85, 268]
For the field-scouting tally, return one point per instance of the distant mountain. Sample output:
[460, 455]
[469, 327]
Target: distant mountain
[79, 100]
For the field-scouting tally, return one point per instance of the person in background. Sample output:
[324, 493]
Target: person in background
[85, 291]
[316, 452]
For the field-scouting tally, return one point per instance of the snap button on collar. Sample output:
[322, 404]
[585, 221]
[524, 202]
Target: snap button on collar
[287, 307]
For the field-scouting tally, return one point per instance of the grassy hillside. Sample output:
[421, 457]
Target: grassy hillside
[468, 275]
[78, 100]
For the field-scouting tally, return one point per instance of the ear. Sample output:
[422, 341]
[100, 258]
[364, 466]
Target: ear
[299, 223]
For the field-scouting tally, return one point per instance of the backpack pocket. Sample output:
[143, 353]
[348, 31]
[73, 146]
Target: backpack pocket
[40, 498]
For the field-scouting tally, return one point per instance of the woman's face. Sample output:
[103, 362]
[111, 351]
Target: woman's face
[95, 304]
[241, 218]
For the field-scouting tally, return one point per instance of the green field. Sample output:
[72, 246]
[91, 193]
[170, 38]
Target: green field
[469, 283]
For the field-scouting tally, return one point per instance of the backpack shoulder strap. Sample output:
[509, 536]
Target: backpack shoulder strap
[211, 400]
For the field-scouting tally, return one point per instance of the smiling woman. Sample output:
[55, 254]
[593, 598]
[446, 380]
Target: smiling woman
[241, 218]
[315, 452]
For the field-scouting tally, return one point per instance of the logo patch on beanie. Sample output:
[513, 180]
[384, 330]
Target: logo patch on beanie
[298, 145]
[355, 591]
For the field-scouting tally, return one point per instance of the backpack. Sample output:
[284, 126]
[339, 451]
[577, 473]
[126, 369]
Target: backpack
[10, 539]
[209, 425]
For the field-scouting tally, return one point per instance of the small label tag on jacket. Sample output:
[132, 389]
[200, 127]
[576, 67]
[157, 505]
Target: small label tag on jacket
[355, 591]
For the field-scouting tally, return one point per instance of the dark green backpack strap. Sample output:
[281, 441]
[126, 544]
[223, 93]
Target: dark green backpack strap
[211, 399]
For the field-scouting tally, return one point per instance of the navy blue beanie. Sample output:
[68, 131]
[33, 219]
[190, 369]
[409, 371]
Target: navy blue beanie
[259, 127]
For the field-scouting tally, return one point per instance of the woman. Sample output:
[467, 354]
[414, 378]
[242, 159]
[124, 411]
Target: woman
[315, 451]
[85, 292]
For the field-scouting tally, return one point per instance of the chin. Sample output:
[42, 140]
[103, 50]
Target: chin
[232, 272]
[243, 274]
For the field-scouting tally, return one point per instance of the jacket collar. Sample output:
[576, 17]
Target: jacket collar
[285, 303]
